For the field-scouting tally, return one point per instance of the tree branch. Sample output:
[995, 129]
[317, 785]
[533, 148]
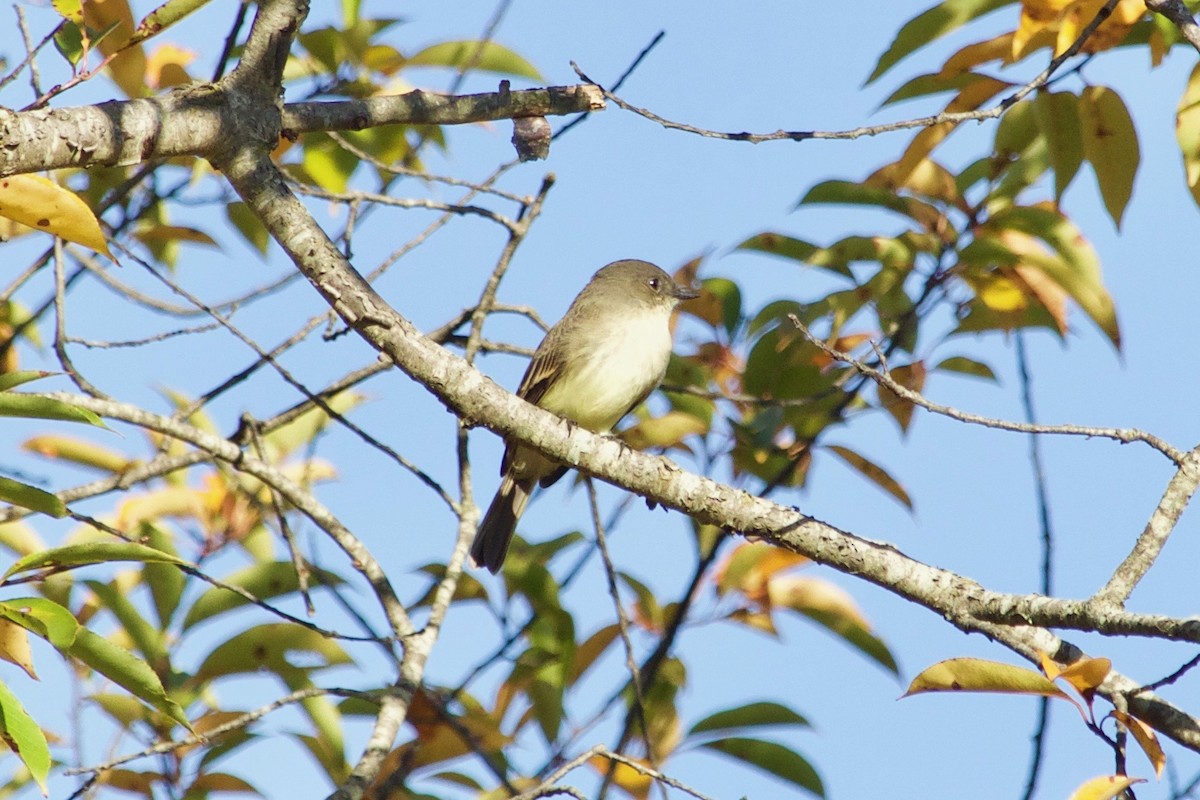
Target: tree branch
[198, 120]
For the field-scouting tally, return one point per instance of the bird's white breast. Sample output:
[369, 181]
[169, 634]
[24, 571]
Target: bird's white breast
[626, 358]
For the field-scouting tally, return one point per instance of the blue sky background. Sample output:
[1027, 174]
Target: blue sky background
[627, 188]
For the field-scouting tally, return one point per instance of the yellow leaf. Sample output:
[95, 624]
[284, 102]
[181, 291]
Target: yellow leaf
[805, 594]
[43, 205]
[1000, 294]
[176, 501]
[1036, 16]
[971, 97]
[760, 621]
[1187, 132]
[14, 646]
[995, 49]
[167, 66]
[1146, 738]
[668, 430]
[1038, 285]
[78, 451]
[750, 565]
[979, 675]
[128, 69]
[1110, 33]
[635, 784]
[1104, 787]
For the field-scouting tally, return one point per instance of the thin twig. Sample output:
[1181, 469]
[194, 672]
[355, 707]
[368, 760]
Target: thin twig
[30, 54]
[237, 723]
[401, 202]
[1047, 576]
[874, 130]
[1123, 435]
[248, 423]
[300, 387]
[35, 78]
[196, 572]
[614, 593]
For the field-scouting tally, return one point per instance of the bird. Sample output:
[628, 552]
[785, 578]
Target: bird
[599, 362]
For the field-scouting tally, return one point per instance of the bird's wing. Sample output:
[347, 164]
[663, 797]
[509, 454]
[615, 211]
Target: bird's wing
[539, 377]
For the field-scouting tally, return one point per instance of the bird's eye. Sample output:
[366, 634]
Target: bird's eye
[654, 284]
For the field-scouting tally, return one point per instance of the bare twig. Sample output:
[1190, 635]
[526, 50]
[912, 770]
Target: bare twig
[614, 593]
[874, 130]
[1123, 435]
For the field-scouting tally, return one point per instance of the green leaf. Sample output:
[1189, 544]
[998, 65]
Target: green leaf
[648, 604]
[860, 194]
[1016, 131]
[929, 25]
[126, 670]
[47, 619]
[1077, 270]
[166, 581]
[249, 226]
[1110, 143]
[856, 636]
[15, 404]
[487, 56]
[780, 761]
[730, 297]
[264, 581]
[90, 553]
[14, 379]
[468, 587]
[872, 472]
[303, 429]
[162, 17]
[590, 650]
[31, 497]
[780, 245]
[146, 637]
[327, 163]
[68, 41]
[267, 647]
[925, 85]
[748, 716]
[967, 366]
[24, 737]
[1058, 117]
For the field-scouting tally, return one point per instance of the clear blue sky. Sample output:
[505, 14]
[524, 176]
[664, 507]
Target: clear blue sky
[627, 188]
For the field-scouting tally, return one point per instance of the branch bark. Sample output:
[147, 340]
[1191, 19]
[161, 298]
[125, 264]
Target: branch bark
[198, 120]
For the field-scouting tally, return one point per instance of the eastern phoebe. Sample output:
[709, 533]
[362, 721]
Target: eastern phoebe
[603, 358]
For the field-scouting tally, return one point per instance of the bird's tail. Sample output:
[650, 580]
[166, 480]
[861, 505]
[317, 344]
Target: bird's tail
[496, 530]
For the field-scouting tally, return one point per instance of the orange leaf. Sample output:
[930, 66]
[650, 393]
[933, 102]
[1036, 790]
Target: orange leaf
[1146, 738]
[748, 568]
[910, 376]
[1087, 674]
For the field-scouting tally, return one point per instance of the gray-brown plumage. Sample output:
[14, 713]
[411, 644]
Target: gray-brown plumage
[603, 358]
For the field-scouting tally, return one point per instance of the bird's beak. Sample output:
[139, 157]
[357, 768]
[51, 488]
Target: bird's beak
[682, 293]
